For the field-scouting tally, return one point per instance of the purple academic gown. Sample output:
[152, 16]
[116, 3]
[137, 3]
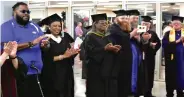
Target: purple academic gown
[179, 60]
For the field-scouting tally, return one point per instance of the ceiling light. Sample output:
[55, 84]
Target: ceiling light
[165, 10]
[177, 3]
[101, 8]
[37, 4]
[103, 1]
[165, 6]
[149, 5]
[149, 8]
[110, 6]
[175, 8]
[150, 11]
[62, 3]
[36, 1]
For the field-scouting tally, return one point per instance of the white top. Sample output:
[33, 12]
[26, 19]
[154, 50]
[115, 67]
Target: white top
[56, 39]
[166, 29]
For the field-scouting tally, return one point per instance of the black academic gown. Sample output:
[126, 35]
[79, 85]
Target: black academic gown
[84, 61]
[149, 60]
[98, 80]
[123, 68]
[12, 78]
[57, 76]
[69, 38]
[82, 55]
[174, 67]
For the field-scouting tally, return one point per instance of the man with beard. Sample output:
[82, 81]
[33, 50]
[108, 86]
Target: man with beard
[149, 48]
[96, 47]
[134, 18]
[120, 35]
[29, 38]
[136, 51]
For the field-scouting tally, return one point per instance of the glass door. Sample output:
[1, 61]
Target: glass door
[81, 15]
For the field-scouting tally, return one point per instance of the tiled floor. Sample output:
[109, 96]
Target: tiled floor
[158, 91]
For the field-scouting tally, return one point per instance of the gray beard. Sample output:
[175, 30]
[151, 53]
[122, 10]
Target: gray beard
[134, 25]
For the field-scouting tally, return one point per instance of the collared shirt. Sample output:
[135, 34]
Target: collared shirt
[78, 31]
[12, 31]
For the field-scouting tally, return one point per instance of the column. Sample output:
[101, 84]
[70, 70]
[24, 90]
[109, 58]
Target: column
[124, 5]
[69, 19]
[181, 9]
[159, 33]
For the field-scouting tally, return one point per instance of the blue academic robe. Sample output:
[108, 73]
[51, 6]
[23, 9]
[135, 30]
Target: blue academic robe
[178, 51]
[136, 59]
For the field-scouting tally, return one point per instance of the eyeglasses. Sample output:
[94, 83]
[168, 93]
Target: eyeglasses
[145, 23]
[103, 22]
[174, 23]
[25, 11]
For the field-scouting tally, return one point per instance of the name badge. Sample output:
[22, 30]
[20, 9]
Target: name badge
[143, 55]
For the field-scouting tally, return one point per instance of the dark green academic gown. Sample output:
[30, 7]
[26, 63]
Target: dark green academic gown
[98, 80]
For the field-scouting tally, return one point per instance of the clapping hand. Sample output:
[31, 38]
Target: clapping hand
[74, 51]
[146, 36]
[45, 42]
[70, 52]
[117, 46]
[39, 39]
[14, 50]
[182, 38]
[153, 44]
[110, 47]
[8, 47]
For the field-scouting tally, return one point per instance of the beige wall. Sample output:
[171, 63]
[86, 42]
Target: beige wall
[38, 13]
[55, 10]
[109, 13]
[42, 13]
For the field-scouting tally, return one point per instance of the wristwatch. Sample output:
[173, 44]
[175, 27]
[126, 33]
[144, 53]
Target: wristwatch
[30, 44]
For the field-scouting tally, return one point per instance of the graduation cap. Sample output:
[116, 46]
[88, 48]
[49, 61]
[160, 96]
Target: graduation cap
[97, 17]
[133, 12]
[88, 27]
[48, 20]
[146, 18]
[177, 18]
[120, 13]
[40, 23]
